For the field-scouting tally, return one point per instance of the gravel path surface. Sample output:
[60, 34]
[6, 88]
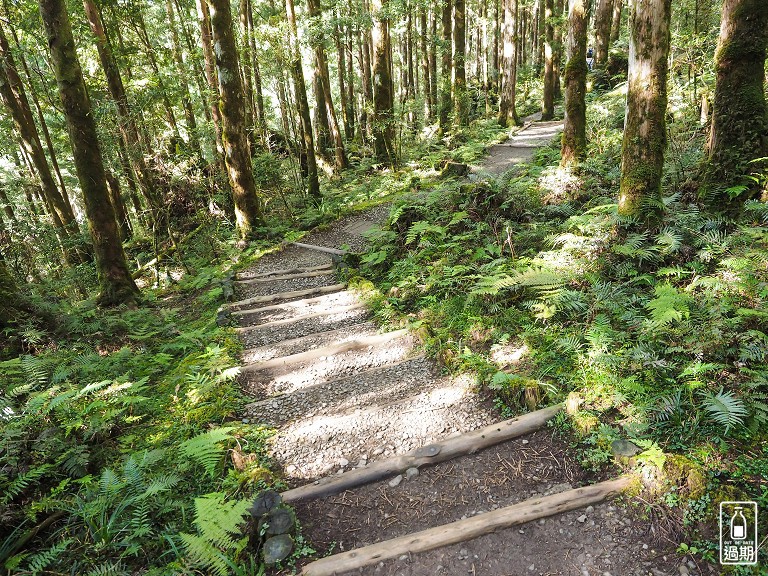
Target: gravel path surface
[293, 309]
[284, 285]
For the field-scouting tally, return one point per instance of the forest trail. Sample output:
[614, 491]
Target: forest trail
[366, 411]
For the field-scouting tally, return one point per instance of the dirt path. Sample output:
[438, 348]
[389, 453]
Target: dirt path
[344, 397]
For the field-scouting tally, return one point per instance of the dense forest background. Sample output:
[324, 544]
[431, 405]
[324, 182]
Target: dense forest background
[146, 146]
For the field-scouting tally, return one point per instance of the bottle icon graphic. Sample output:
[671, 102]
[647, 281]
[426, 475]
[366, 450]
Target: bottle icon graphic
[738, 525]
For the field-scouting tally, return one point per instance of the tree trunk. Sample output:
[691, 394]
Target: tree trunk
[199, 74]
[507, 107]
[7, 205]
[236, 149]
[642, 151]
[116, 198]
[433, 78]
[603, 21]
[116, 284]
[618, 6]
[313, 184]
[246, 72]
[128, 127]
[347, 102]
[445, 71]
[548, 102]
[9, 296]
[383, 97]
[15, 99]
[324, 82]
[460, 96]
[426, 69]
[204, 20]
[186, 95]
[739, 128]
[574, 143]
[260, 118]
[557, 47]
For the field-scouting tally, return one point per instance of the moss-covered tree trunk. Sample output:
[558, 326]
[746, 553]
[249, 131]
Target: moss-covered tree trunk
[115, 282]
[9, 295]
[383, 89]
[204, 21]
[739, 130]
[444, 109]
[574, 143]
[300, 88]
[237, 153]
[557, 46]
[603, 21]
[460, 96]
[507, 107]
[14, 97]
[128, 127]
[618, 8]
[548, 101]
[645, 132]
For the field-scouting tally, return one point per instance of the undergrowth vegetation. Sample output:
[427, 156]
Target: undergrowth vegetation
[657, 336]
[121, 449]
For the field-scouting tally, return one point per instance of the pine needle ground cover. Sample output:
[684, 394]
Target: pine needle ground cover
[654, 335]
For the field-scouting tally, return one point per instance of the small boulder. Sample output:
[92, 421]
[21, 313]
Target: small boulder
[277, 548]
[266, 501]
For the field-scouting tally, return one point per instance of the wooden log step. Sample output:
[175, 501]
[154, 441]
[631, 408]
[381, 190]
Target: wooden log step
[331, 312]
[330, 350]
[286, 296]
[469, 528]
[300, 307]
[325, 249]
[286, 271]
[261, 280]
[428, 455]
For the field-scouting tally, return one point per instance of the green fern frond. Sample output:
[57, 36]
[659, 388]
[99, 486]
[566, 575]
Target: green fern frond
[206, 449]
[669, 306]
[725, 408]
[203, 553]
[22, 482]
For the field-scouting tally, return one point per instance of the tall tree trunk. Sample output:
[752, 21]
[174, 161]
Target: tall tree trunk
[128, 127]
[739, 129]
[348, 111]
[618, 6]
[574, 143]
[246, 70]
[383, 92]
[324, 81]
[642, 151]
[460, 96]
[429, 106]
[7, 205]
[116, 198]
[260, 118]
[186, 95]
[115, 281]
[197, 67]
[433, 78]
[548, 102]
[204, 20]
[313, 184]
[557, 47]
[507, 107]
[445, 70]
[603, 21]
[495, 50]
[237, 154]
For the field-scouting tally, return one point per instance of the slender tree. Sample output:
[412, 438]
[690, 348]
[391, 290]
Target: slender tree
[204, 21]
[383, 89]
[618, 7]
[645, 136]
[460, 96]
[445, 69]
[574, 144]
[739, 129]
[507, 106]
[548, 101]
[116, 284]
[313, 184]
[237, 155]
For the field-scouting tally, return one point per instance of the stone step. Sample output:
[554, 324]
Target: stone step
[295, 308]
[268, 278]
[304, 343]
[267, 287]
[377, 386]
[274, 332]
[338, 360]
[434, 409]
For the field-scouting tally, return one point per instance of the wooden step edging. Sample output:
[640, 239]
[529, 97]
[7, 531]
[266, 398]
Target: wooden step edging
[447, 449]
[469, 528]
[262, 280]
[279, 306]
[286, 271]
[334, 251]
[331, 312]
[287, 295]
[348, 346]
